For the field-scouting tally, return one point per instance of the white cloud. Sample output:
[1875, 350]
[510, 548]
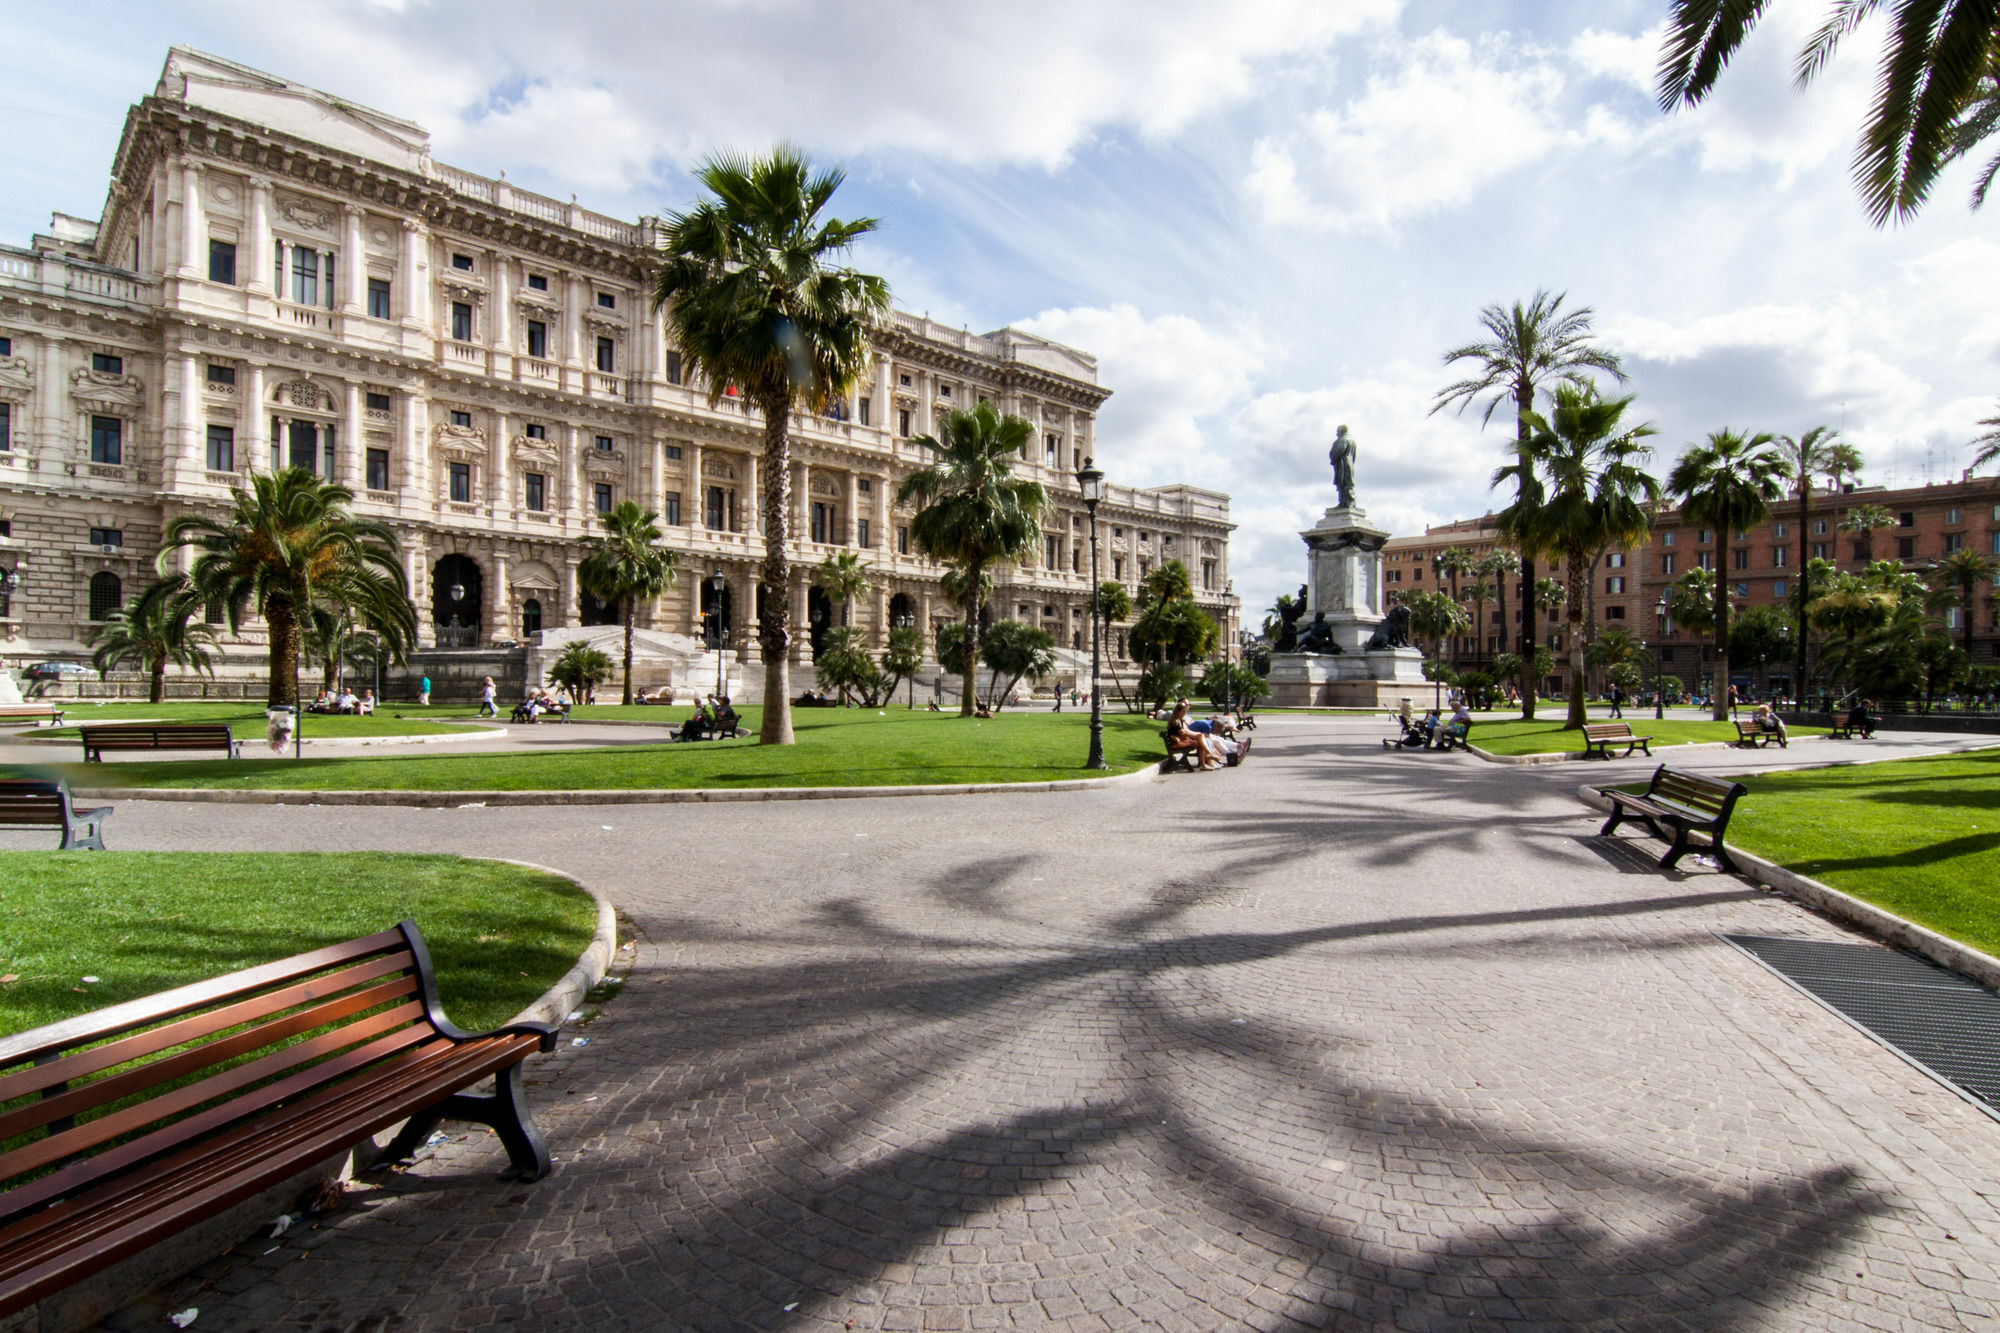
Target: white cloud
[1443, 118]
[1628, 59]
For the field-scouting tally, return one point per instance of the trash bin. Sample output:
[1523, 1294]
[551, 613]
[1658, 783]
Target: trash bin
[280, 722]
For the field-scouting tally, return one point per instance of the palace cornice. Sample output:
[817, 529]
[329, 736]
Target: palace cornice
[45, 307]
[1004, 375]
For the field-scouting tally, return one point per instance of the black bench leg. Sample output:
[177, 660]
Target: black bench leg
[416, 1130]
[1617, 818]
[506, 1112]
[1680, 848]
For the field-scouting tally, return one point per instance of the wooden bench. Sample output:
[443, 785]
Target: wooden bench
[1599, 737]
[557, 713]
[1754, 737]
[38, 804]
[157, 736]
[129, 1124]
[1183, 752]
[1843, 730]
[35, 713]
[1687, 803]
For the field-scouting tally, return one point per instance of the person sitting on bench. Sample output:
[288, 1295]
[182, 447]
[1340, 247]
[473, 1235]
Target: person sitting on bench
[1766, 719]
[1460, 726]
[698, 725]
[1862, 719]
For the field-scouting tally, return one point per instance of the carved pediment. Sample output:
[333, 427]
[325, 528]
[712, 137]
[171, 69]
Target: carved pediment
[17, 378]
[303, 393]
[309, 214]
[824, 486]
[537, 305]
[531, 450]
[98, 389]
[460, 444]
[718, 467]
[608, 466]
[604, 321]
[464, 289]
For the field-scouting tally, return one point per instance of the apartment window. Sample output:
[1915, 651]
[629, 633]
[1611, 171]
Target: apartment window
[461, 483]
[861, 532]
[463, 263]
[822, 523]
[601, 495]
[107, 536]
[1819, 527]
[7, 349]
[538, 282]
[1778, 530]
[535, 491]
[1667, 564]
[1996, 543]
[861, 411]
[106, 595]
[1704, 536]
[1667, 537]
[944, 391]
[1739, 558]
[1145, 566]
[607, 300]
[606, 355]
[1780, 588]
[107, 365]
[1076, 560]
[903, 422]
[1614, 613]
[459, 418]
[535, 430]
[903, 380]
[377, 402]
[538, 339]
[1417, 574]
[221, 449]
[531, 617]
[1820, 549]
[1906, 519]
[6, 427]
[1051, 552]
[1906, 548]
[305, 275]
[222, 262]
[671, 450]
[1049, 447]
[1742, 590]
[1615, 560]
[222, 376]
[1953, 542]
[378, 298]
[107, 440]
[1704, 559]
[1952, 516]
[1952, 616]
[461, 322]
[671, 503]
[1860, 550]
[1615, 584]
[1742, 536]
[602, 444]
[903, 540]
[378, 469]
[1208, 576]
[716, 505]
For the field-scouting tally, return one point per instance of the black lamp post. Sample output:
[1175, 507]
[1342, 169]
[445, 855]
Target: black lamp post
[1659, 699]
[1091, 482]
[904, 621]
[716, 583]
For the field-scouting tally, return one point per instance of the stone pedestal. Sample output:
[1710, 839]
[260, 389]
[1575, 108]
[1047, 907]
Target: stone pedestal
[1344, 585]
[1381, 679]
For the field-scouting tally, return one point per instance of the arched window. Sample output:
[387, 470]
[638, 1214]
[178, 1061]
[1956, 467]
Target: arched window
[106, 595]
[531, 617]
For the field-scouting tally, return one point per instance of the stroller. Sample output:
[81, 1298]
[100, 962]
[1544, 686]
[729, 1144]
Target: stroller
[1414, 736]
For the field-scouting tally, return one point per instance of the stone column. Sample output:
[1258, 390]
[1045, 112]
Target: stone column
[500, 468]
[193, 227]
[499, 612]
[348, 461]
[256, 418]
[420, 590]
[572, 590]
[181, 445]
[801, 504]
[753, 511]
[414, 275]
[353, 264]
[697, 517]
[850, 522]
[415, 471]
[579, 488]
[261, 256]
[882, 487]
[801, 623]
[499, 326]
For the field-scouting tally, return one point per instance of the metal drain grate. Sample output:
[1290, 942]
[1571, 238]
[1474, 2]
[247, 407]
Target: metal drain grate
[1937, 1020]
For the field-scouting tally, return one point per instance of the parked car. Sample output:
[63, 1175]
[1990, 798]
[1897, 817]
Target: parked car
[56, 670]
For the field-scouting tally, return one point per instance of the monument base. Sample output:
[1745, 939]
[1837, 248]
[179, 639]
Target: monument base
[1379, 679]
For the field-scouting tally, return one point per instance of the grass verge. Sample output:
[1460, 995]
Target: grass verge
[1917, 837]
[1539, 737]
[836, 748]
[142, 922]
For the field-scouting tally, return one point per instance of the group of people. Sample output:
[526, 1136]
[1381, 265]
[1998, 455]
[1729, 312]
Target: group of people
[712, 717]
[1214, 736]
[537, 703]
[346, 701]
[1433, 731]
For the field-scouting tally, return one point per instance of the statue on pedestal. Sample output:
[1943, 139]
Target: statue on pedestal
[1342, 458]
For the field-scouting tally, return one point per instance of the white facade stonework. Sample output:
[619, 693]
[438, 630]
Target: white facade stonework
[280, 277]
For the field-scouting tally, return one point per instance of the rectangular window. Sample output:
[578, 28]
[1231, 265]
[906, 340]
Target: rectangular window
[1906, 548]
[903, 422]
[1208, 576]
[535, 491]
[1778, 530]
[222, 375]
[1819, 527]
[671, 505]
[1820, 549]
[1953, 542]
[1615, 584]
[378, 298]
[673, 367]
[1739, 558]
[1049, 447]
[601, 493]
[1052, 552]
[602, 444]
[222, 262]
[538, 282]
[903, 540]
[459, 418]
[377, 402]
[463, 263]
[1861, 550]
[822, 522]
[861, 532]
[1667, 537]
[1118, 568]
[1615, 560]
[1743, 590]
[305, 275]
[1781, 556]
[1703, 537]
[861, 411]
[535, 430]
[1614, 613]
[6, 427]
[1906, 519]
[107, 536]
[538, 339]
[1780, 588]
[865, 485]
[607, 300]
[107, 440]
[607, 352]
[378, 469]
[7, 349]
[107, 365]
[461, 483]
[461, 322]
[1996, 543]
[1952, 516]
[671, 450]
[1667, 563]
[221, 449]
[1704, 559]
[716, 504]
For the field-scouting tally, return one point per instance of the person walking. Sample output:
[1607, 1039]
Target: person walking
[424, 691]
[1617, 702]
[487, 705]
[1735, 702]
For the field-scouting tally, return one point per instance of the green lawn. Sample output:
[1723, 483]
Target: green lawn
[142, 922]
[1545, 737]
[1918, 837]
[836, 748]
[246, 719]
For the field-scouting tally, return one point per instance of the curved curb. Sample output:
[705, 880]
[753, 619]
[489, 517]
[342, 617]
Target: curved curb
[1849, 910]
[555, 1004]
[1564, 756]
[597, 796]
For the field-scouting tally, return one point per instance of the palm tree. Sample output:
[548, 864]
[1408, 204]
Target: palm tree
[1526, 346]
[756, 301]
[289, 544]
[1435, 616]
[1114, 603]
[971, 508]
[1956, 579]
[1864, 519]
[1593, 495]
[843, 577]
[1933, 95]
[1818, 452]
[628, 565]
[156, 631]
[1988, 444]
[1454, 560]
[1479, 594]
[1727, 483]
[578, 669]
[1501, 565]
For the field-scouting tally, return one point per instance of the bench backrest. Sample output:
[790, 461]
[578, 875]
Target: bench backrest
[107, 1092]
[30, 801]
[1606, 731]
[205, 732]
[1711, 796]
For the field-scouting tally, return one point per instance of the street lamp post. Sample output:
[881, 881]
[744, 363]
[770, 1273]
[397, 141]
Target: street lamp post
[716, 583]
[1091, 482]
[1659, 699]
[904, 621]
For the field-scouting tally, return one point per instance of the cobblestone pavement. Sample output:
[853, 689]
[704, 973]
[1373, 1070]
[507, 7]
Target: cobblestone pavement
[1338, 1039]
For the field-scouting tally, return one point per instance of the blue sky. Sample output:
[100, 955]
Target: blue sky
[1266, 218]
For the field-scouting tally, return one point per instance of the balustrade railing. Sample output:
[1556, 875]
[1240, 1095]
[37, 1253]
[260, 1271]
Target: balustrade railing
[457, 636]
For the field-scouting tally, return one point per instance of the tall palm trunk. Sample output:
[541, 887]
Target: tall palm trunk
[1805, 591]
[1500, 578]
[283, 627]
[1967, 597]
[1578, 715]
[157, 691]
[1719, 696]
[1524, 402]
[968, 698]
[631, 614]
[773, 625]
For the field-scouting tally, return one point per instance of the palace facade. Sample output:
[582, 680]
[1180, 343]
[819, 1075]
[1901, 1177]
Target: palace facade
[281, 277]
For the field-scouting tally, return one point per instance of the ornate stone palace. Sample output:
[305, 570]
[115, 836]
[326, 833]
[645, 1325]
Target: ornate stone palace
[283, 277]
